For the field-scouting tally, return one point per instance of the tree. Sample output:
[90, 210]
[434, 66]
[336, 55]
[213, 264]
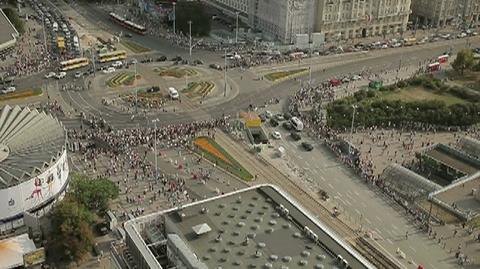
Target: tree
[195, 12]
[15, 19]
[71, 223]
[94, 194]
[464, 61]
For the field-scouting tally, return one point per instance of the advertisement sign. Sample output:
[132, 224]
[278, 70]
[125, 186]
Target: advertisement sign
[32, 193]
[34, 257]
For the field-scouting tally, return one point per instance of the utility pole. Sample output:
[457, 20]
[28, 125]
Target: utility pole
[190, 37]
[44, 35]
[155, 148]
[236, 31]
[225, 75]
[93, 61]
[174, 16]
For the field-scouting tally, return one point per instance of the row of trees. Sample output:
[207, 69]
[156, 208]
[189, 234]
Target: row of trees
[73, 217]
[15, 19]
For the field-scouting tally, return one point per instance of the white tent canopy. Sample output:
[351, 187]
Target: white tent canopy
[201, 229]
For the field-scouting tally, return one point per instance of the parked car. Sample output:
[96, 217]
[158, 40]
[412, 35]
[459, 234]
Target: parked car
[268, 114]
[273, 122]
[307, 146]
[287, 125]
[109, 70]
[117, 64]
[215, 66]
[162, 58]
[78, 74]
[279, 117]
[8, 90]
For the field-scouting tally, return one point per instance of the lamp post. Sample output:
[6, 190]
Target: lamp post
[174, 16]
[236, 31]
[190, 39]
[225, 75]
[155, 148]
[351, 130]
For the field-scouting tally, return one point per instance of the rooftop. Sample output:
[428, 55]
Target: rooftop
[7, 31]
[460, 194]
[29, 142]
[453, 158]
[259, 227]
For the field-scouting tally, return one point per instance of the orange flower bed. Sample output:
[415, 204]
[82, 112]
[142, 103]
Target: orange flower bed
[203, 143]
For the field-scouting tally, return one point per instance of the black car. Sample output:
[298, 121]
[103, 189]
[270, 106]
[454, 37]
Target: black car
[162, 58]
[176, 59]
[287, 125]
[199, 62]
[153, 89]
[273, 122]
[295, 136]
[262, 117]
[128, 35]
[287, 116]
[307, 146]
[215, 66]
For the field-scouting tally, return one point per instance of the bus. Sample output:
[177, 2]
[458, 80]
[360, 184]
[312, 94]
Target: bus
[61, 42]
[409, 41]
[433, 67]
[112, 56]
[74, 64]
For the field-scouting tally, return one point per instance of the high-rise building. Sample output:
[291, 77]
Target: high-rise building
[340, 19]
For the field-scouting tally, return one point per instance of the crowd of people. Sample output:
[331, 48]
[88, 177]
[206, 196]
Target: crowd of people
[29, 55]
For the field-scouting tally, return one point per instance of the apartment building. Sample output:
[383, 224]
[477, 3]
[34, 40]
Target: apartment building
[439, 13]
[344, 19]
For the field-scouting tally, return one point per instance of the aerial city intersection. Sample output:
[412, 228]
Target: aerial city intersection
[239, 134]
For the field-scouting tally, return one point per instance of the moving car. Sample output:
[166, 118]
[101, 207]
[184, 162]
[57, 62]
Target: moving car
[117, 64]
[153, 89]
[78, 74]
[61, 75]
[273, 122]
[215, 66]
[277, 135]
[109, 70]
[8, 90]
[307, 146]
[50, 75]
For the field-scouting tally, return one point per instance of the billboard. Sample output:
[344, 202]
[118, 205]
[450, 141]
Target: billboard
[34, 257]
[34, 192]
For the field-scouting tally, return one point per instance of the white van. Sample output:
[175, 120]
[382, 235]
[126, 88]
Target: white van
[173, 93]
[297, 123]
[55, 26]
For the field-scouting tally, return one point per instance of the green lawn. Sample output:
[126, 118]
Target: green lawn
[284, 74]
[411, 93]
[134, 47]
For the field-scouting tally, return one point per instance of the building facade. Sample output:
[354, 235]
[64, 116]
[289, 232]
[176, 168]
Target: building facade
[343, 19]
[439, 13]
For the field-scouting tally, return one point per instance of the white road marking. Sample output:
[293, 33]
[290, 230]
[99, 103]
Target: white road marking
[330, 185]
[390, 241]
[356, 193]
[369, 222]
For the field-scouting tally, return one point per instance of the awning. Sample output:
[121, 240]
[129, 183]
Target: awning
[201, 229]
[13, 249]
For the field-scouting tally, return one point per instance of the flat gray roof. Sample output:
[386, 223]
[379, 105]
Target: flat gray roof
[7, 31]
[249, 230]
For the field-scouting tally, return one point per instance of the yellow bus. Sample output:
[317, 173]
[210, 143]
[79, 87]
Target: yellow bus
[61, 42]
[74, 64]
[409, 41]
[112, 56]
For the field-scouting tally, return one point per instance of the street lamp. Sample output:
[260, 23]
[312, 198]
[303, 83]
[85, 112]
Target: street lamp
[190, 37]
[155, 147]
[174, 16]
[351, 130]
[225, 75]
[236, 31]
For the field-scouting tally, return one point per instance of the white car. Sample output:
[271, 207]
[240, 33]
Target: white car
[50, 75]
[277, 135]
[61, 75]
[117, 64]
[78, 74]
[462, 35]
[109, 70]
[268, 114]
[8, 90]
[356, 77]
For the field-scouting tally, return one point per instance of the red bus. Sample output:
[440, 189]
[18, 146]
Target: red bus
[443, 58]
[433, 67]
